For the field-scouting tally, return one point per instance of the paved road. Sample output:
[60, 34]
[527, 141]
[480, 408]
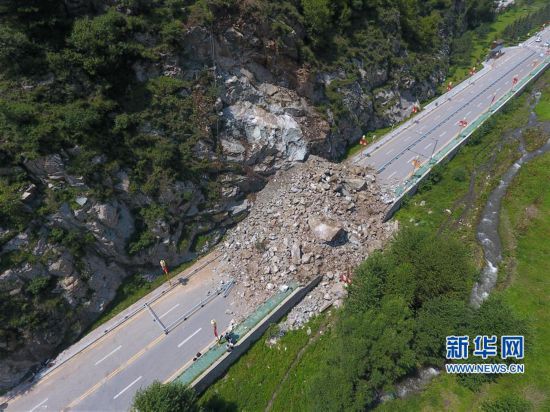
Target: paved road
[105, 376]
[414, 143]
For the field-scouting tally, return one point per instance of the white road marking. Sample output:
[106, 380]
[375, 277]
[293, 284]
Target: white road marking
[106, 356]
[389, 151]
[498, 90]
[479, 104]
[187, 339]
[428, 145]
[169, 310]
[411, 159]
[128, 387]
[407, 138]
[443, 134]
[39, 405]
[469, 113]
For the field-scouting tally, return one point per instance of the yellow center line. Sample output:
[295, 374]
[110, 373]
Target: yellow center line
[115, 372]
[124, 325]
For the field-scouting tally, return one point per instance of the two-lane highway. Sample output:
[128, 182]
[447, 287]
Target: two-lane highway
[106, 375]
[396, 156]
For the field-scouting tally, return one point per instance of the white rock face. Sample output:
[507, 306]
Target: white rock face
[264, 129]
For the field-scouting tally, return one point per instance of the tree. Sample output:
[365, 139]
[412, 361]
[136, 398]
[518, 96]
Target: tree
[480, 11]
[16, 51]
[372, 350]
[437, 319]
[508, 402]
[171, 397]
[417, 266]
[102, 45]
[318, 19]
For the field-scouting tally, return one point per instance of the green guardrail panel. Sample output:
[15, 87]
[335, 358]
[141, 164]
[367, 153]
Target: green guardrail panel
[214, 353]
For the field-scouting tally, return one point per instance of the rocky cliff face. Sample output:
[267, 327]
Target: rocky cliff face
[273, 111]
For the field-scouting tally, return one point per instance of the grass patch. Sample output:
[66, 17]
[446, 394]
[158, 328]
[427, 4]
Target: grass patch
[371, 137]
[543, 107]
[132, 289]
[252, 380]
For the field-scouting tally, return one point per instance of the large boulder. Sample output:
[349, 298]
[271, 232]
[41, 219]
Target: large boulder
[325, 230]
[264, 130]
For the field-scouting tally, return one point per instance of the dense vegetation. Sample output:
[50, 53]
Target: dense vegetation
[78, 88]
[402, 304]
[84, 92]
[527, 24]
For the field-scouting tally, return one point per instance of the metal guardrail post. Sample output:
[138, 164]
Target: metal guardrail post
[156, 319]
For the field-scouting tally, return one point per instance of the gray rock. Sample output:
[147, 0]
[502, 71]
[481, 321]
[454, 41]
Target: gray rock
[356, 184]
[324, 229]
[296, 253]
[240, 208]
[123, 181]
[81, 200]
[264, 130]
[107, 214]
[233, 149]
[62, 267]
[51, 166]
[9, 281]
[307, 258]
[16, 243]
[29, 194]
[74, 289]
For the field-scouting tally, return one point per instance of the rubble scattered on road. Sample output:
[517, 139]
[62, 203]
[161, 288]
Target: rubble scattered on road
[316, 219]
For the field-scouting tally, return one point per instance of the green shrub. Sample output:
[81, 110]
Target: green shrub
[171, 397]
[460, 174]
[507, 403]
[38, 285]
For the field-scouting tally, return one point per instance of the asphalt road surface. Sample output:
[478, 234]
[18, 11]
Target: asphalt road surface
[394, 158]
[105, 376]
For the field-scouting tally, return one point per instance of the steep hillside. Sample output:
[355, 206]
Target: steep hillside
[133, 130]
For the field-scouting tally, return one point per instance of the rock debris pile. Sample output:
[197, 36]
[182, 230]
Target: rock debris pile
[317, 218]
